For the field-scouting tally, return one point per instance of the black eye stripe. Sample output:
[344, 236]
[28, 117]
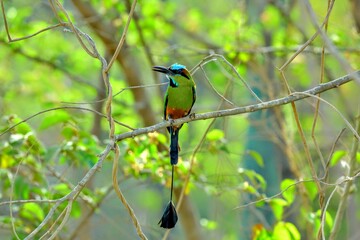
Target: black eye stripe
[183, 74]
[180, 72]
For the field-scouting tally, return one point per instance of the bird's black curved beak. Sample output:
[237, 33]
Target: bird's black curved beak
[162, 70]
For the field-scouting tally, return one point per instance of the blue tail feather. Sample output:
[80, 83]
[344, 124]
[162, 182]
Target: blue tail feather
[174, 146]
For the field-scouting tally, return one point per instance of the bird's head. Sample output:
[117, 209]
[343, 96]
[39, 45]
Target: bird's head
[177, 73]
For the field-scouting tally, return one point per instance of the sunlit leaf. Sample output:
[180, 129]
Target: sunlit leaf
[289, 190]
[336, 157]
[32, 211]
[54, 118]
[311, 189]
[61, 189]
[257, 157]
[6, 161]
[277, 205]
[286, 231]
[215, 135]
[76, 210]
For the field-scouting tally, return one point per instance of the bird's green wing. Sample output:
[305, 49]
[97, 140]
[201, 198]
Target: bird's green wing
[194, 97]
[165, 104]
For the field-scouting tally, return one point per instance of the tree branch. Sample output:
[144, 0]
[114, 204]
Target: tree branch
[246, 109]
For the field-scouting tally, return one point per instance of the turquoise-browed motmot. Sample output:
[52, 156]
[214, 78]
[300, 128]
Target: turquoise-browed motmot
[179, 99]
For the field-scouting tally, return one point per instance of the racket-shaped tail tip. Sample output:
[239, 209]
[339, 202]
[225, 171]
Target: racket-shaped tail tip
[169, 218]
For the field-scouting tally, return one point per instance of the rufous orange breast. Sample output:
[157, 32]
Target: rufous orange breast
[175, 113]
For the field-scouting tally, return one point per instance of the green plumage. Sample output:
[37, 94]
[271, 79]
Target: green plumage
[180, 95]
[179, 99]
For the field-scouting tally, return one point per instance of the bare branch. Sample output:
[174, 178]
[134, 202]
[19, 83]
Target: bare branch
[247, 109]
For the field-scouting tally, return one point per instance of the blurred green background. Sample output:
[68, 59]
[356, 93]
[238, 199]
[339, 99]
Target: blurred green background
[239, 182]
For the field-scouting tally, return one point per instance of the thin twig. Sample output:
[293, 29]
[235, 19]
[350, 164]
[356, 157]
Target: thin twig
[121, 195]
[123, 37]
[355, 132]
[214, 89]
[344, 198]
[214, 57]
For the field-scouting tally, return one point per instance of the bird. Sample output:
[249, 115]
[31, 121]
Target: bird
[178, 102]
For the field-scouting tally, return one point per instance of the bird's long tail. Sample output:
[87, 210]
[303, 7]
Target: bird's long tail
[174, 146]
[169, 217]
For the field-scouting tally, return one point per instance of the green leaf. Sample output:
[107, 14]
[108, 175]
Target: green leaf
[215, 135]
[257, 157]
[311, 189]
[22, 188]
[277, 205]
[55, 118]
[289, 190]
[271, 18]
[22, 128]
[285, 231]
[61, 189]
[76, 210]
[328, 219]
[336, 157]
[32, 211]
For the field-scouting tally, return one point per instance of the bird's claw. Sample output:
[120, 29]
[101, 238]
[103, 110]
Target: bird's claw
[192, 116]
[171, 121]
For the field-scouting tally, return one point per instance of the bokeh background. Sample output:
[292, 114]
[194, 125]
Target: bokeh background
[254, 176]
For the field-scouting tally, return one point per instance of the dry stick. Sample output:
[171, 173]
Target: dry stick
[123, 37]
[28, 201]
[122, 197]
[323, 215]
[345, 195]
[241, 110]
[332, 150]
[64, 215]
[317, 106]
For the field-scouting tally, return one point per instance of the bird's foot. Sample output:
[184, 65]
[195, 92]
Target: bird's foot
[171, 121]
[192, 116]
